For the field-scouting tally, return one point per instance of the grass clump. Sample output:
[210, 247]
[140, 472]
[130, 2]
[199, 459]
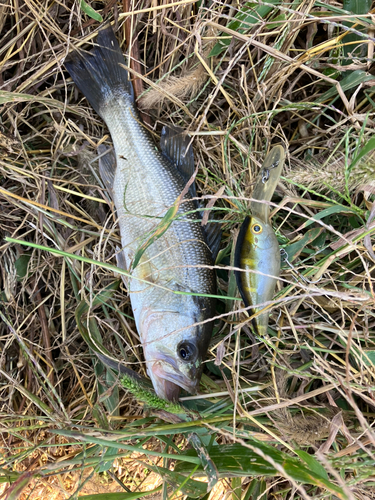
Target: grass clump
[285, 416]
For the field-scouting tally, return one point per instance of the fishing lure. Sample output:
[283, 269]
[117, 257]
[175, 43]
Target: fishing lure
[257, 250]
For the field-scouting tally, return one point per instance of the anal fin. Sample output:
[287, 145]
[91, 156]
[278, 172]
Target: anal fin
[121, 263]
[107, 167]
[212, 232]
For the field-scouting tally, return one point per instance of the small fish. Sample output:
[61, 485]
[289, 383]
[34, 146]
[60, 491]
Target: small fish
[168, 259]
[257, 248]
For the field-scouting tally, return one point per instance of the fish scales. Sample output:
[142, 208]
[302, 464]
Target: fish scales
[174, 328]
[144, 189]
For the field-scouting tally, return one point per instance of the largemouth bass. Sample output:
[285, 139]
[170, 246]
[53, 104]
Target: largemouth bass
[257, 248]
[145, 184]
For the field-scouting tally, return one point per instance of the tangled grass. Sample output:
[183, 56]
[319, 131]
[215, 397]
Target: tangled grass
[287, 416]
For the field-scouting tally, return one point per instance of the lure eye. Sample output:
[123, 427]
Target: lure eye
[256, 228]
[186, 351]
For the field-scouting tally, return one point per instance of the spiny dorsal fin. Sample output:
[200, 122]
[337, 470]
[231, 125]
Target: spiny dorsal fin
[174, 144]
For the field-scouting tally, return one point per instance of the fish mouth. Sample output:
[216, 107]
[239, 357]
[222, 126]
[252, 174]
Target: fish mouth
[168, 380]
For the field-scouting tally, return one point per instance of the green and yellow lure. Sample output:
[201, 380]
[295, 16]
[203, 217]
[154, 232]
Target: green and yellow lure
[257, 250]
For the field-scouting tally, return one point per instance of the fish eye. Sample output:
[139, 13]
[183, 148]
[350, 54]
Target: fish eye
[256, 228]
[186, 351]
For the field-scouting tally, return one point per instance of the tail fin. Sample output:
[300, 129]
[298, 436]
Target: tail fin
[98, 74]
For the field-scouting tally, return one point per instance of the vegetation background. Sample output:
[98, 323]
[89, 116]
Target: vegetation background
[288, 416]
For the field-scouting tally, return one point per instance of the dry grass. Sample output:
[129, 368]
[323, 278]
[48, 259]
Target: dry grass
[273, 84]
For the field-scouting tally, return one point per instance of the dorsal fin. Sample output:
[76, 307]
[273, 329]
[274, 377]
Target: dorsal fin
[174, 144]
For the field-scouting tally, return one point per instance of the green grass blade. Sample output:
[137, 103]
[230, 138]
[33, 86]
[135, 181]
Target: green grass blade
[181, 483]
[120, 496]
[122, 446]
[248, 15]
[351, 49]
[256, 459]
[15, 490]
[156, 234]
[110, 267]
[94, 341]
[365, 150]
[296, 248]
[90, 11]
[350, 81]
[312, 463]
[334, 209]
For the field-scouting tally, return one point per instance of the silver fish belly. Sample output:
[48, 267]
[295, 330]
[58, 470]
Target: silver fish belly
[173, 327]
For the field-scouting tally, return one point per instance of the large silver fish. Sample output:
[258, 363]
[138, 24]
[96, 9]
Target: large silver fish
[145, 184]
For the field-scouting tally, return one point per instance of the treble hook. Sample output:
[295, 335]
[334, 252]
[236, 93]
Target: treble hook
[284, 257]
[266, 171]
[265, 175]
